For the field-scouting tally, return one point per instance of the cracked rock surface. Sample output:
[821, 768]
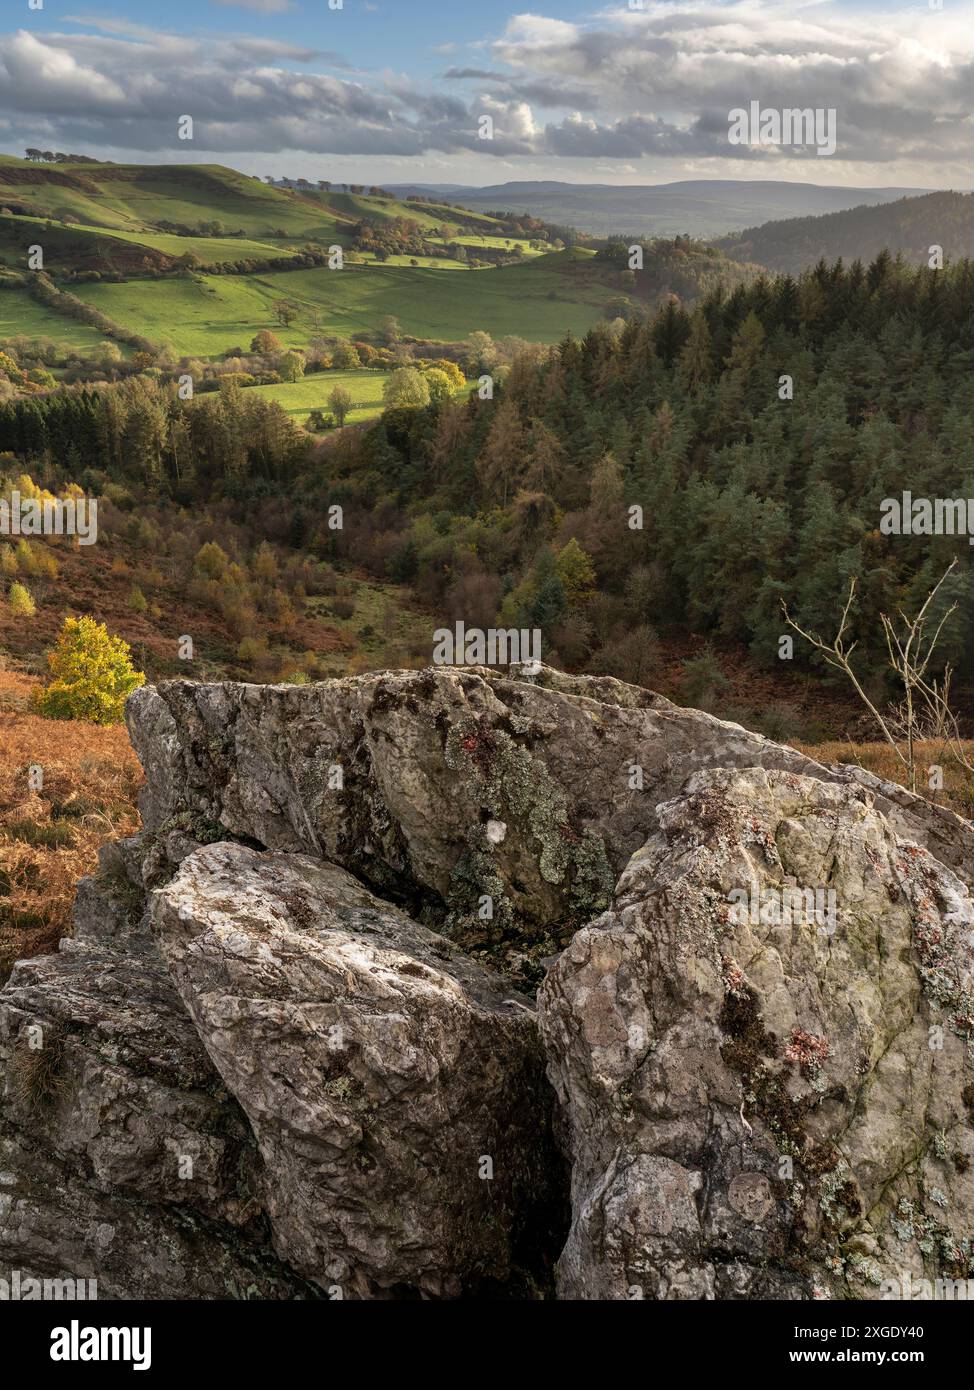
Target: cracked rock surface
[378, 1067]
[760, 1099]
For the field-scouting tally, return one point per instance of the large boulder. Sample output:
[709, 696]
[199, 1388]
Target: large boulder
[292, 1050]
[461, 792]
[395, 1089]
[766, 1091]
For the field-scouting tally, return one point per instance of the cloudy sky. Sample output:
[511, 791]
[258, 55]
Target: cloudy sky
[394, 90]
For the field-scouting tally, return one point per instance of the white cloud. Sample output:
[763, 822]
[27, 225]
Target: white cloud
[51, 79]
[634, 87]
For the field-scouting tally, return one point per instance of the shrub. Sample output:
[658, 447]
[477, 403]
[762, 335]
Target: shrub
[251, 649]
[91, 674]
[345, 357]
[633, 657]
[21, 602]
[318, 422]
[211, 561]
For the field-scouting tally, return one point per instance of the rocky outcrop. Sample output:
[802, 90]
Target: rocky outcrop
[293, 1049]
[122, 1158]
[270, 1084]
[459, 792]
[766, 1093]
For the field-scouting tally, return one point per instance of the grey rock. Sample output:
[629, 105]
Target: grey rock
[396, 1090]
[397, 777]
[289, 1032]
[124, 1160]
[771, 1102]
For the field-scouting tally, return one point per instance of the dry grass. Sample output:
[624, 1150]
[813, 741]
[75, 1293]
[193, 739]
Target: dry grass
[958, 789]
[49, 838]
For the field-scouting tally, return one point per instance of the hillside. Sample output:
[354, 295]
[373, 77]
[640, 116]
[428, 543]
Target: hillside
[131, 197]
[217, 215]
[195, 260]
[698, 207]
[907, 227]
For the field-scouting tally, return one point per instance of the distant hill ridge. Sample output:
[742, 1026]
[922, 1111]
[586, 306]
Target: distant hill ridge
[698, 207]
[909, 227]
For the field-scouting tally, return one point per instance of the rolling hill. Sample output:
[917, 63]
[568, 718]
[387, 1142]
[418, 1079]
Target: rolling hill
[127, 197]
[196, 258]
[909, 227]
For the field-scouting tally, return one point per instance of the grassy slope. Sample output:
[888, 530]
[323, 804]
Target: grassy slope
[208, 316]
[210, 250]
[429, 216]
[301, 397]
[21, 314]
[63, 243]
[129, 196]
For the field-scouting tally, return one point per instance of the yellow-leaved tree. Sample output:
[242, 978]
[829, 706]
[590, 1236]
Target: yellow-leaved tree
[91, 674]
[21, 601]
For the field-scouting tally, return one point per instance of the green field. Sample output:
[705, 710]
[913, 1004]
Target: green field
[204, 316]
[428, 262]
[19, 314]
[209, 250]
[498, 243]
[301, 397]
[128, 197]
